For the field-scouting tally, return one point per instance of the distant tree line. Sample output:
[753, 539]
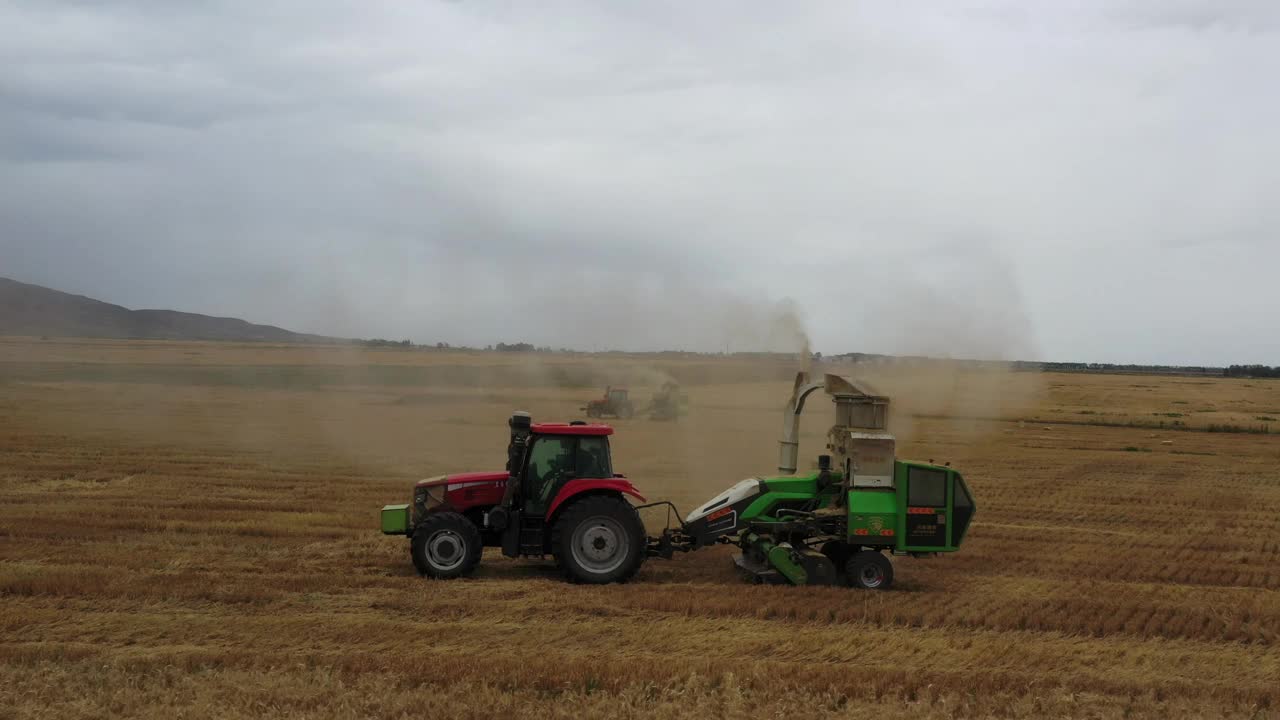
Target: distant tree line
[1257, 371]
[1254, 371]
[1077, 367]
[500, 347]
[1119, 368]
[407, 345]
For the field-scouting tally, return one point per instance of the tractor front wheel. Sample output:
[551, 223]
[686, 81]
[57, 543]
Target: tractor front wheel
[446, 545]
[869, 570]
[599, 540]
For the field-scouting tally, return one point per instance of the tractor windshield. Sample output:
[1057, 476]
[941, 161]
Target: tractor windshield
[617, 395]
[554, 460]
[550, 461]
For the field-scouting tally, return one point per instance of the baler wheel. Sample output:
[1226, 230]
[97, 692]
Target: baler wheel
[869, 570]
[838, 552]
[446, 545]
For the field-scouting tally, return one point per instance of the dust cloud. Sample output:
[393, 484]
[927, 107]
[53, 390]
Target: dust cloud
[940, 311]
[403, 411]
[955, 318]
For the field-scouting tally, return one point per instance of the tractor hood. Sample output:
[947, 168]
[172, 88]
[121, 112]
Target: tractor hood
[463, 478]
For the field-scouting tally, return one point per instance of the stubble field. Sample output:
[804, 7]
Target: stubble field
[190, 530]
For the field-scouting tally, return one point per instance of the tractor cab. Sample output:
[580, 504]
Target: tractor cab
[557, 454]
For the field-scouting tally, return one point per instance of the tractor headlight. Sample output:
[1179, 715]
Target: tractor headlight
[419, 502]
[427, 498]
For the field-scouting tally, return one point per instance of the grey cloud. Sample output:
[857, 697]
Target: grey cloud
[990, 178]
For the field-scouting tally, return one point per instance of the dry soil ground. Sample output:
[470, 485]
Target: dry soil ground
[190, 530]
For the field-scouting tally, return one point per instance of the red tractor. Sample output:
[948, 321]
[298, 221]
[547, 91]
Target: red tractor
[615, 403]
[558, 496]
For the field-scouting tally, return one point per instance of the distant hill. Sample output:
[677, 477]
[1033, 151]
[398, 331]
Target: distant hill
[35, 310]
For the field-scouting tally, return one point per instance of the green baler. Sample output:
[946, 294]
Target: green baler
[837, 524]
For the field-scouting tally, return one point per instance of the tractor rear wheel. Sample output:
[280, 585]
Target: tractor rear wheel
[446, 545]
[598, 540]
[869, 570]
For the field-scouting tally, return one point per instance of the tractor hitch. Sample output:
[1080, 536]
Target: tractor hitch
[672, 540]
[675, 539]
[667, 544]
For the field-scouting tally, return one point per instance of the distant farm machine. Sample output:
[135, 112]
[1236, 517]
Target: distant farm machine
[615, 403]
[668, 402]
[560, 497]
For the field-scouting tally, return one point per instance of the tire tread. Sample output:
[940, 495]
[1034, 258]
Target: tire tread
[457, 522]
[580, 511]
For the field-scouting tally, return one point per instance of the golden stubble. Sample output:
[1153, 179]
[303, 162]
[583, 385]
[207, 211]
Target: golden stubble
[189, 529]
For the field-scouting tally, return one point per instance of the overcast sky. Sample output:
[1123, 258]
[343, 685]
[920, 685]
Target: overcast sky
[1009, 179]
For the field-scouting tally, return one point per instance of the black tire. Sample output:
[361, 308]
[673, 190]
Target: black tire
[626, 411]
[446, 545]
[869, 570]
[838, 552]
[599, 540]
